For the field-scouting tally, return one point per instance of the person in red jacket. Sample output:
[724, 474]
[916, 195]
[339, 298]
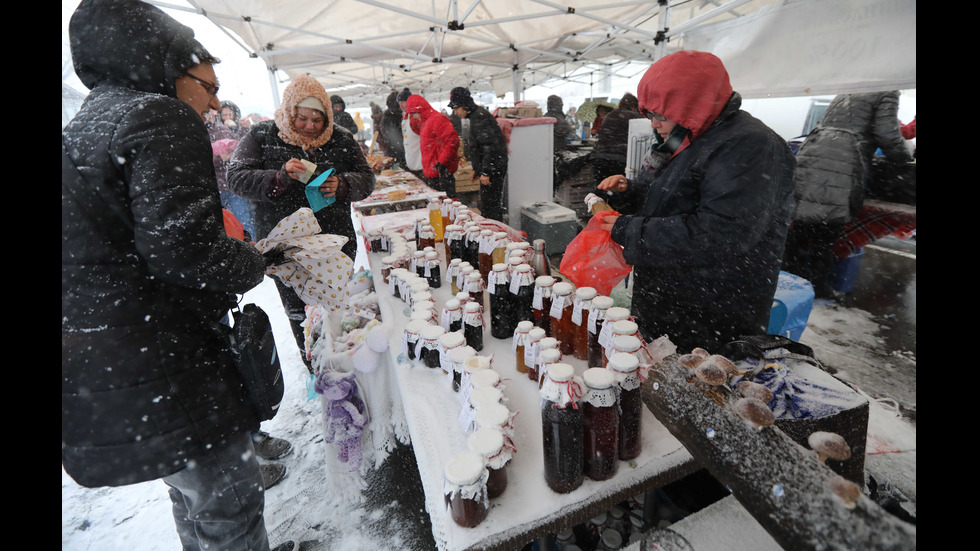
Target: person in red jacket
[439, 143]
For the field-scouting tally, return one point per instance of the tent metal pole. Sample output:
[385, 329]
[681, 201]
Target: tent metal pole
[275, 87]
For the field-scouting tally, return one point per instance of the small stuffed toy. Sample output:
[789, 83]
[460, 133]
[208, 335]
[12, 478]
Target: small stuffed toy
[344, 414]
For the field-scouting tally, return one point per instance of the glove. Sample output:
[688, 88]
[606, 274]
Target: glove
[442, 170]
[275, 257]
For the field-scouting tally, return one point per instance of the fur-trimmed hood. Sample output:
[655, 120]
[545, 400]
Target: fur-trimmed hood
[300, 88]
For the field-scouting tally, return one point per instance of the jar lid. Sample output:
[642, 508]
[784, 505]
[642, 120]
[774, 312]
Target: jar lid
[550, 355]
[623, 363]
[617, 313]
[418, 253]
[536, 333]
[626, 343]
[516, 260]
[544, 281]
[454, 227]
[612, 539]
[492, 415]
[419, 284]
[560, 372]
[452, 304]
[472, 306]
[500, 234]
[463, 296]
[421, 296]
[585, 293]
[431, 254]
[563, 288]
[428, 249]
[461, 354]
[476, 363]
[548, 342]
[486, 441]
[523, 245]
[523, 267]
[625, 327]
[452, 339]
[416, 325]
[602, 302]
[500, 267]
[598, 378]
[427, 227]
[486, 232]
[397, 272]
[525, 326]
[465, 467]
[485, 395]
[390, 259]
[455, 261]
[433, 332]
[421, 315]
[474, 275]
[484, 377]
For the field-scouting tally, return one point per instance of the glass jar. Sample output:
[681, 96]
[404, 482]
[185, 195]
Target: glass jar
[474, 286]
[548, 355]
[457, 358]
[627, 344]
[418, 263]
[435, 221]
[473, 324]
[485, 254]
[522, 293]
[375, 241]
[452, 269]
[625, 368]
[496, 416]
[581, 308]
[619, 328]
[419, 293]
[610, 540]
[447, 213]
[491, 445]
[432, 271]
[562, 426]
[501, 318]
[410, 337]
[427, 236]
[387, 264]
[597, 316]
[394, 281]
[601, 417]
[543, 288]
[498, 252]
[427, 349]
[562, 327]
[613, 314]
[465, 489]
[453, 242]
[465, 269]
[520, 341]
[484, 396]
[531, 349]
[473, 244]
[452, 315]
[447, 343]
[424, 314]
[474, 364]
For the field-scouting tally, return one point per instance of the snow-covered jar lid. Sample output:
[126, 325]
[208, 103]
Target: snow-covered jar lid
[473, 282]
[600, 304]
[494, 415]
[562, 288]
[626, 343]
[466, 475]
[625, 368]
[485, 377]
[475, 363]
[484, 396]
[459, 355]
[451, 340]
[582, 303]
[617, 313]
[561, 386]
[625, 327]
[522, 276]
[520, 333]
[422, 314]
[600, 387]
[547, 343]
[497, 276]
[492, 445]
[430, 336]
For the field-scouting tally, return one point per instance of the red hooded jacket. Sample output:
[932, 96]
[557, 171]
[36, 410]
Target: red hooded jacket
[439, 140]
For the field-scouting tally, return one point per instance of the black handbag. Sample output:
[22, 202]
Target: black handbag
[254, 349]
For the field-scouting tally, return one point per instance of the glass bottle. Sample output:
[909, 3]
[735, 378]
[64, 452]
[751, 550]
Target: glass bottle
[433, 272]
[534, 337]
[452, 315]
[427, 237]
[410, 337]
[473, 244]
[428, 346]
[465, 269]
[473, 324]
[548, 356]
[501, 318]
[522, 293]
[490, 444]
[465, 491]
[601, 417]
[375, 238]
[562, 327]
[452, 269]
[520, 341]
[458, 357]
[420, 221]
[613, 314]
[539, 261]
[453, 241]
[562, 425]
[418, 263]
[617, 329]
[447, 343]
[541, 304]
[446, 211]
[435, 221]
[581, 308]
[625, 368]
[498, 253]
[416, 287]
[394, 281]
[597, 316]
[486, 254]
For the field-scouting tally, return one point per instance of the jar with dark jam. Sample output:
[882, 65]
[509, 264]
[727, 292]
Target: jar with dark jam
[465, 489]
[457, 357]
[473, 244]
[447, 343]
[410, 337]
[502, 321]
[522, 293]
[474, 286]
[375, 237]
[625, 367]
[473, 324]
[428, 347]
[562, 327]
[418, 262]
[490, 444]
[562, 429]
[432, 271]
[543, 288]
[601, 415]
[486, 254]
[582, 307]
[427, 236]
[454, 242]
[596, 318]
[520, 341]
[394, 281]
[452, 315]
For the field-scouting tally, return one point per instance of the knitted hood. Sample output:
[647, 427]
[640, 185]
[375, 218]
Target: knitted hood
[300, 88]
[688, 87]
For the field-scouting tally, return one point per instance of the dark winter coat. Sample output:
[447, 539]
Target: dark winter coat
[614, 135]
[833, 165]
[255, 171]
[391, 130]
[562, 127]
[486, 147]
[147, 381]
[706, 231]
[343, 118]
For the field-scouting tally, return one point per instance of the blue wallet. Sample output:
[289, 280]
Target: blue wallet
[315, 196]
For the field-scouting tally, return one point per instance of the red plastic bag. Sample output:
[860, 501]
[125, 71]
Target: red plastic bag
[593, 259]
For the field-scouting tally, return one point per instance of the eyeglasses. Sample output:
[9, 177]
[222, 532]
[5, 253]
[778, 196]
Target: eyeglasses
[208, 87]
[654, 116]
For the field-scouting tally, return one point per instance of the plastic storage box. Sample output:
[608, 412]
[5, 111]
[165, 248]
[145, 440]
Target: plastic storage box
[556, 224]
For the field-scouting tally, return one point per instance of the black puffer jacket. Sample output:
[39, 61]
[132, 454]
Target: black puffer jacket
[258, 162]
[147, 269]
[834, 162]
[486, 147]
[343, 118]
[707, 233]
[390, 132]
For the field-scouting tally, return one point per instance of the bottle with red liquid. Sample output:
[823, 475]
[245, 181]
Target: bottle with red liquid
[465, 491]
[581, 308]
[541, 303]
[531, 349]
[491, 445]
[562, 429]
[625, 368]
[486, 253]
[562, 327]
[601, 416]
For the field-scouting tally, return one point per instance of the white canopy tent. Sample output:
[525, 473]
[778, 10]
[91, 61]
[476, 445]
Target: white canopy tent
[363, 49]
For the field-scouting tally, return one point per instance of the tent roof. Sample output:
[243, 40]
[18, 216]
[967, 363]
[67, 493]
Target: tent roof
[363, 49]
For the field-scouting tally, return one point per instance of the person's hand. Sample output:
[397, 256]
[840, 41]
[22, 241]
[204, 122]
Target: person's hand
[614, 183]
[329, 187]
[484, 180]
[608, 221]
[294, 168]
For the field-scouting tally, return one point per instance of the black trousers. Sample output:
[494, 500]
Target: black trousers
[810, 253]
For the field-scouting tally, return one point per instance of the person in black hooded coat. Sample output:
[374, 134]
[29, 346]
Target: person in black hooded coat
[486, 148]
[390, 133]
[149, 386]
[340, 115]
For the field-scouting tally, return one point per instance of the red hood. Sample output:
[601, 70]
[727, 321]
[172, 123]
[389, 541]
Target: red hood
[417, 104]
[688, 87]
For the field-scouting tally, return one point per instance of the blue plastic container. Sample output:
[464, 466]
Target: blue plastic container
[843, 275]
[791, 306]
